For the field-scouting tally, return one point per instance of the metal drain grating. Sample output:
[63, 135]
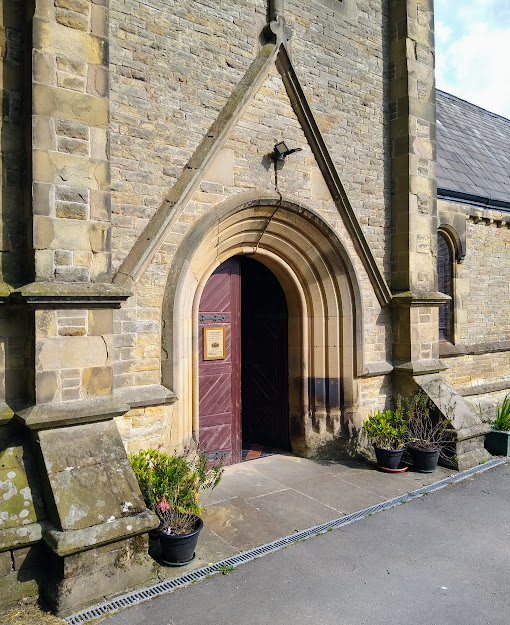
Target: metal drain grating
[140, 596]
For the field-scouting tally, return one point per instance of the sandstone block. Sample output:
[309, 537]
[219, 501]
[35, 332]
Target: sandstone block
[72, 19]
[46, 386]
[82, 259]
[71, 210]
[68, 81]
[72, 274]
[99, 20]
[71, 65]
[42, 198]
[100, 322]
[97, 381]
[101, 267]
[5, 563]
[45, 323]
[78, 6]
[43, 133]
[70, 352]
[63, 257]
[70, 105]
[44, 267]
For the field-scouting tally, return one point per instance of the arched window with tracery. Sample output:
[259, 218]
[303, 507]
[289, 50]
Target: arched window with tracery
[445, 285]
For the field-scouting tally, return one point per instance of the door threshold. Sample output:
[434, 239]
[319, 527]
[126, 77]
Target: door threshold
[253, 451]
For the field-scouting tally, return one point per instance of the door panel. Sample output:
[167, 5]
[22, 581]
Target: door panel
[264, 337]
[219, 380]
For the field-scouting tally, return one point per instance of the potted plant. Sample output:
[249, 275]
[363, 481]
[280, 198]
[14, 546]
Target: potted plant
[171, 486]
[497, 441]
[427, 434]
[388, 431]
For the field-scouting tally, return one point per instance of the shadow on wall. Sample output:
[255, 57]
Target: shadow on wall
[17, 254]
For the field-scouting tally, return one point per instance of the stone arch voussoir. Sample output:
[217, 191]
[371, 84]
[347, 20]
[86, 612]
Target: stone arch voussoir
[324, 303]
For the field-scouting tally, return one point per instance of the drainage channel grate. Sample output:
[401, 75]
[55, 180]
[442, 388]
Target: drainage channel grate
[139, 596]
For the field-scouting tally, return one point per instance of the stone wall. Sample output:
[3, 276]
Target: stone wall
[73, 354]
[479, 359]
[71, 177]
[172, 68]
[484, 282]
[13, 166]
[128, 172]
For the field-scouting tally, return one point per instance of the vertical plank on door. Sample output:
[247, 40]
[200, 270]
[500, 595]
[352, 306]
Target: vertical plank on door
[220, 380]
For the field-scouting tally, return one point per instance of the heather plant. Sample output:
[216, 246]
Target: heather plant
[171, 485]
[425, 429]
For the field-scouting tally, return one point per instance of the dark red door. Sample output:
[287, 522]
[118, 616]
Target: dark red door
[264, 340]
[219, 380]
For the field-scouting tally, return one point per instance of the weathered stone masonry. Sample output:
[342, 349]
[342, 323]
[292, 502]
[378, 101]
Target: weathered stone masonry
[136, 143]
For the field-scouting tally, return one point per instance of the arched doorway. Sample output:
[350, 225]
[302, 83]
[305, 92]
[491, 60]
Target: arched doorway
[324, 305]
[243, 356]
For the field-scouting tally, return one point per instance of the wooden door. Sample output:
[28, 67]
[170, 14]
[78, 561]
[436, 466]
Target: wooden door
[219, 380]
[264, 340]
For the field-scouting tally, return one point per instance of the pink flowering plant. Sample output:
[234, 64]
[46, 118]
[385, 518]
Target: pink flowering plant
[172, 485]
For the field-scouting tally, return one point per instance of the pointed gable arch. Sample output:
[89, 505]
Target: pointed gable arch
[323, 297]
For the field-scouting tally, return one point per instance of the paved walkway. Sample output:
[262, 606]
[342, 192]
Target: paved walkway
[262, 500]
[438, 560]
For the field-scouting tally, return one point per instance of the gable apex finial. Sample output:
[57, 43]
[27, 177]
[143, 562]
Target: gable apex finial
[276, 10]
[276, 30]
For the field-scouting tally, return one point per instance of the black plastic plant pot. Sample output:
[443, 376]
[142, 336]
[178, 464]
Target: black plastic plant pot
[388, 458]
[424, 460]
[497, 443]
[179, 549]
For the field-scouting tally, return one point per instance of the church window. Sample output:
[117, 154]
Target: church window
[445, 285]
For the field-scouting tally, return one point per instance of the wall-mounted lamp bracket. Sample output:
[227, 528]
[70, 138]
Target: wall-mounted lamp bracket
[281, 151]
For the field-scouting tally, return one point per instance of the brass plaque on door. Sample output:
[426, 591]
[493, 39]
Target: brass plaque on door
[214, 343]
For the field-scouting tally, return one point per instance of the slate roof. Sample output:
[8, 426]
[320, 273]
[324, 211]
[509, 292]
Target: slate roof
[473, 151]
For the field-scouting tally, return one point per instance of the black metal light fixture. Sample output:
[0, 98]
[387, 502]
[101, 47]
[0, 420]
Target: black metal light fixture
[281, 151]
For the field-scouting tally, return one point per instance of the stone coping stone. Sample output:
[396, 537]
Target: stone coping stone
[65, 543]
[49, 294]
[23, 535]
[44, 416]
[409, 298]
[149, 395]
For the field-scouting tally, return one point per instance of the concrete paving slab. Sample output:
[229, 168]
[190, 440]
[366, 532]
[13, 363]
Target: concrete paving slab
[243, 525]
[216, 495]
[285, 468]
[294, 510]
[428, 562]
[245, 481]
[390, 485]
[332, 491]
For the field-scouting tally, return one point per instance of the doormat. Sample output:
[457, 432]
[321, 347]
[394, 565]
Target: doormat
[252, 451]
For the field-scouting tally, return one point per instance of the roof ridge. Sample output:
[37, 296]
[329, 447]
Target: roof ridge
[454, 97]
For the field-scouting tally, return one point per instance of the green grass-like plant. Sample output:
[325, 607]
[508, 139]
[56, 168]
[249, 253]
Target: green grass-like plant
[502, 420]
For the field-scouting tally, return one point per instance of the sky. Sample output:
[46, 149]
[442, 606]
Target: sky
[473, 51]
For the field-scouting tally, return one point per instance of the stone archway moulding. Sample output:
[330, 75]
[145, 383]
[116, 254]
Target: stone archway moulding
[323, 299]
[165, 217]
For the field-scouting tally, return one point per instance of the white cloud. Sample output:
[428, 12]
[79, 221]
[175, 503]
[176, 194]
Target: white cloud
[443, 32]
[473, 52]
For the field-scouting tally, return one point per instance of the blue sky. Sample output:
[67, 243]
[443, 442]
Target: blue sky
[473, 51]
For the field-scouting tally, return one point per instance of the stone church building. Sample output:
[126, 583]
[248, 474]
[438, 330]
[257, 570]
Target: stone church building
[225, 221]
